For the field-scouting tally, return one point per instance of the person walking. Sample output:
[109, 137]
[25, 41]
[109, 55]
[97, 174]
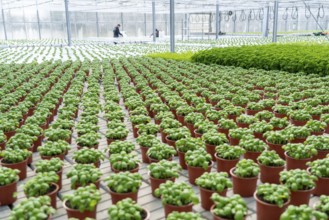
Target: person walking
[116, 31]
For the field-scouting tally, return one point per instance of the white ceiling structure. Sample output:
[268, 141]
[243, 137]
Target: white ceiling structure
[162, 6]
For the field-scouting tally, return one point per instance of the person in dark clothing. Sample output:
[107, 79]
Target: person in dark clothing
[116, 31]
[156, 33]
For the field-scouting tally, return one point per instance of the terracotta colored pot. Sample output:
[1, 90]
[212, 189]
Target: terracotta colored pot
[2, 145]
[96, 146]
[215, 217]
[155, 160]
[321, 187]
[260, 136]
[211, 149]
[135, 170]
[277, 148]
[37, 143]
[155, 183]
[270, 174]
[195, 172]
[171, 208]
[191, 128]
[97, 184]
[21, 166]
[242, 125]
[116, 197]
[170, 142]
[300, 197]
[9, 134]
[234, 141]
[205, 195]
[321, 155]
[59, 182]
[181, 119]
[252, 112]
[327, 129]
[252, 155]
[135, 131]
[279, 115]
[61, 156]
[145, 158]
[316, 117]
[318, 133]
[269, 211]
[197, 134]
[163, 136]
[224, 165]
[298, 140]
[182, 162]
[297, 123]
[109, 141]
[233, 117]
[296, 164]
[73, 213]
[243, 186]
[277, 129]
[7, 194]
[53, 195]
[223, 131]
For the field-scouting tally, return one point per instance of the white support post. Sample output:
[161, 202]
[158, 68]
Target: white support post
[172, 26]
[68, 23]
[275, 22]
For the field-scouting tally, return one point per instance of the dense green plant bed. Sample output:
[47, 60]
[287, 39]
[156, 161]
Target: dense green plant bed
[289, 57]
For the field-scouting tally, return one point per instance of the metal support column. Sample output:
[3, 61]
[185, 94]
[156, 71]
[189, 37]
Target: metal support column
[38, 19]
[97, 24]
[185, 24]
[3, 21]
[217, 21]
[275, 21]
[172, 26]
[153, 21]
[68, 23]
[121, 17]
[266, 20]
[182, 29]
[145, 24]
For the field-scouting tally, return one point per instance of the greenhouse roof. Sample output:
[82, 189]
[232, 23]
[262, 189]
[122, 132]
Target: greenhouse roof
[162, 6]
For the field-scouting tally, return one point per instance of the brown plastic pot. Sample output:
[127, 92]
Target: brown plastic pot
[116, 197]
[2, 145]
[327, 129]
[322, 187]
[171, 208]
[182, 162]
[135, 131]
[195, 172]
[135, 170]
[296, 164]
[61, 156]
[223, 131]
[145, 158]
[260, 136]
[163, 136]
[74, 213]
[215, 217]
[233, 117]
[277, 148]
[269, 211]
[252, 155]
[321, 155]
[7, 193]
[181, 119]
[242, 125]
[317, 133]
[191, 128]
[59, 182]
[37, 143]
[270, 174]
[300, 197]
[279, 115]
[234, 141]
[21, 166]
[297, 123]
[224, 165]
[155, 160]
[53, 195]
[9, 134]
[197, 134]
[252, 112]
[211, 149]
[298, 140]
[97, 184]
[205, 195]
[243, 186]
[109, 141]
[170, 142]
[155, 183]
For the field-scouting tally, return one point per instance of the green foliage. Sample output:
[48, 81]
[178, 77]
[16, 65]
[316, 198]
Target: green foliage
[214, 138]
[185, 56]
[323, 205]
[177, 194]
[270, 158]
[118, 146]
[161, 152]
[292, 58]
[229, 152]
[86, 156]
[186, 144]
[319, 168]
[124, 161]
[300, 151]
[127, 209]
[297, 179]
[38, 208]
[84, 198]
[53, 165]
[89, 139]
[273, 194]
[184, 216]
[54, 148]
[302, 212]
[40, 184]
[198, 158]
[246, 168]
[146, 140]
[217, 182]
[164, 169]
[124, 182]
[233, 207]
[14, 155]
[252, 144]
[8, 176]
[83, 175]
[318, 142]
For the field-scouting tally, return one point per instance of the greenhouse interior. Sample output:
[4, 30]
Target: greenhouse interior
[164, 109]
